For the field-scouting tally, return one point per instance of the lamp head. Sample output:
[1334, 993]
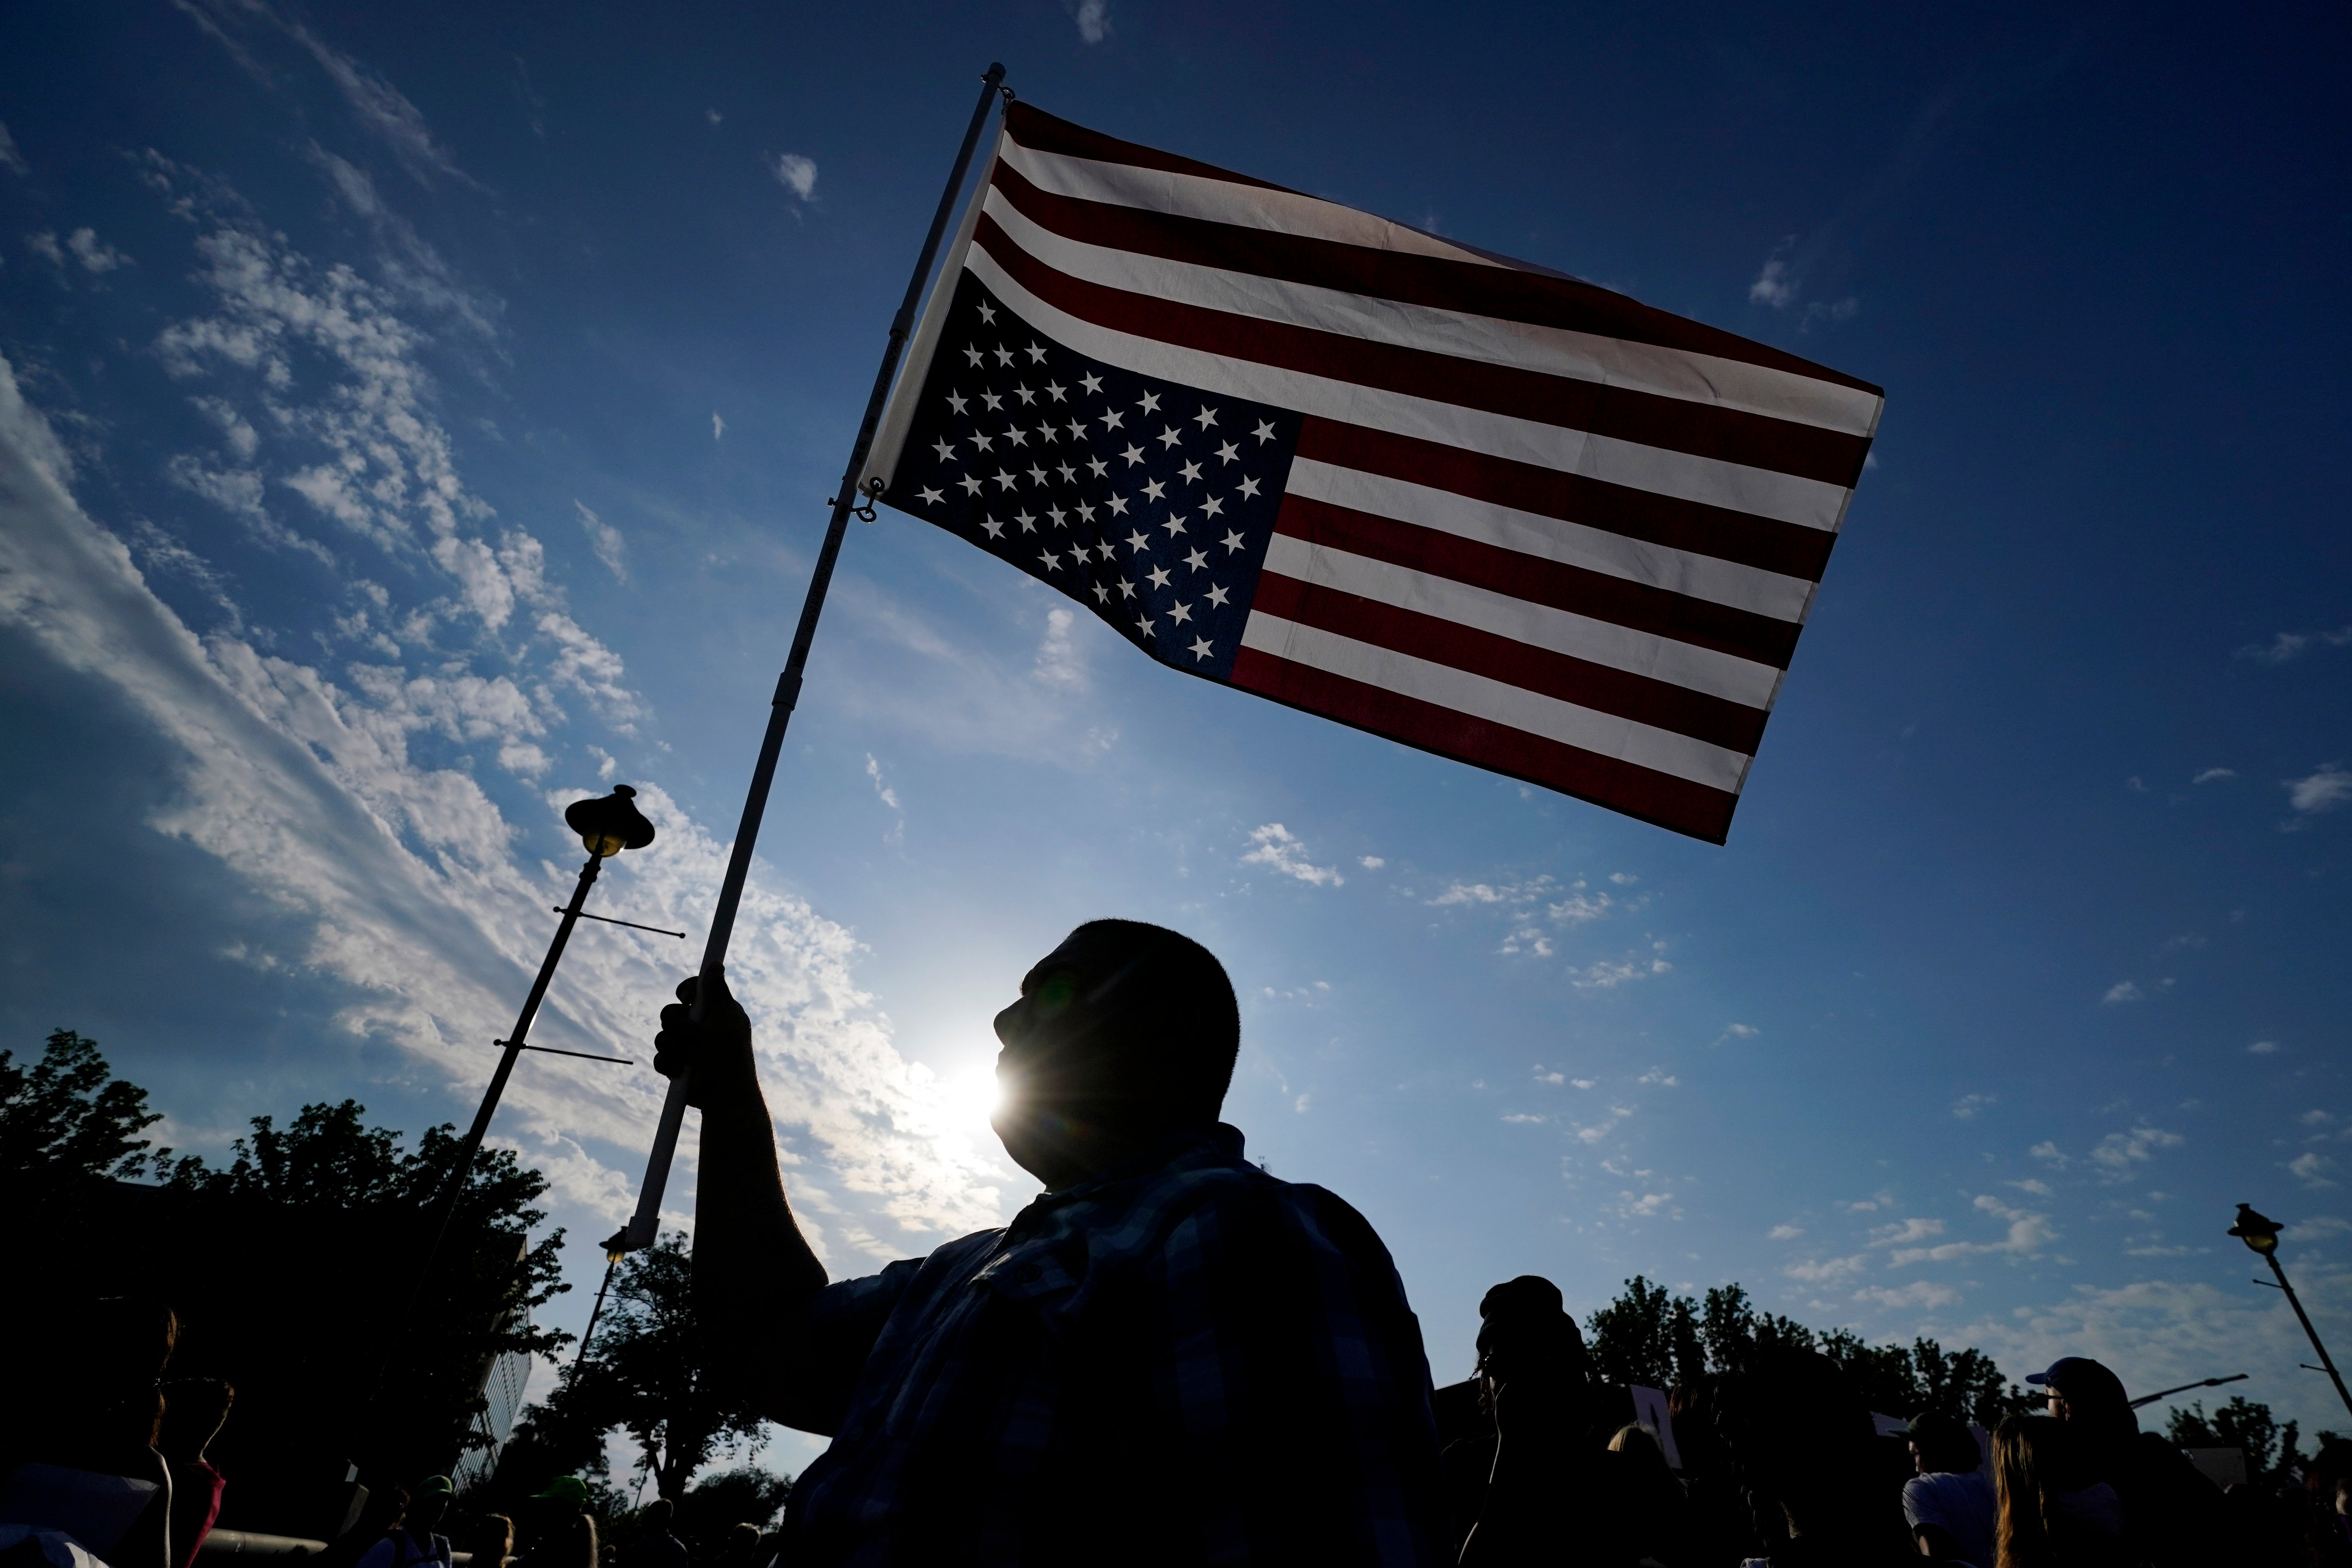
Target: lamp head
[2255, 1231]
[610, 823]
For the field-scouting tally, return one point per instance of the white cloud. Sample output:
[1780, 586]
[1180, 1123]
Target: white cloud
[10, 159]
[405, 879]
[45, 246]
[605, 541]
[1624, 878]
[2121, 991]
[795, 173]
[1738, 1031]
[2307, 1168]
[1601, 1129]
[1966, 1107]
[1828, 1271]
[1647, 1206]
[1521, 1116]
[2263, 1048]
[2119, 1152]
[2210, 773]
[2046, 1150]
[1775, 286]
[1278, 849]
[1909, 1231]
[2315, 1118]
[1371, 863]
[94, 254]
[2033, 1185]
[2028, 1233]
[1475, 892]
[1059, 664]
[1784, 1233]
[1609, 974]
[2324, 789]
[1578, 907]
[1093, 17]
[1921, 1293]
[2289, 646]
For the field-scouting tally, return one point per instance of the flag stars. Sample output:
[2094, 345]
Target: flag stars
[1006, 481]
[1151, 403]
[1212, 506]
[1026, 395]
[1180, 612]
[971, 485]
[1249, 489]
[1265, 432]
[1078, 430]
[1143, 625]
[1058, 393]
[1139, 541]
[1169, 436]
[1216, 596]
[987, 314]
[1069, 474]
[982, 443]
[996, 529]
[1196, 559]
[1098, 467]
[931, 497]
[1200, 649]
[1154, 489]
[1052, 562]
[1102, 594]
[1125, 589]
[1036, 355]
[1015, 435]
[1110, 419]
[1085, 513]
[1190, 473]
[1028, 524]
[971, 353]
[958, 403]
[1227, 453]
[1118, 506]
[946, 449]
[1174, 525]
[1060, 518]
[1134, 454]
[1092, 384]
[1233, 543]
[1004, 355]
[1206, 417]
[1036, 475]
[1158, 575]
[993, 400]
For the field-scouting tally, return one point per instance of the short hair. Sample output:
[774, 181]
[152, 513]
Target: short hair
[1945, 1442]
[1180, 1010]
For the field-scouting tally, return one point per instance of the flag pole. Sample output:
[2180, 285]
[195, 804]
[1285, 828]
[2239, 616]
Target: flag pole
[643, 1225]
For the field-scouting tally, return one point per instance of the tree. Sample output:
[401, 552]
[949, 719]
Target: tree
[746, 1495]
[66, 1118]
[1649, 1336]
[641, 1373]
[2273, 1451]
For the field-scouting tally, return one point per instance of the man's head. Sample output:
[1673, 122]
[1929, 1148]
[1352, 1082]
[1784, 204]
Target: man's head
[1527, 1338]
[1123, 1033]
[2084, 1391]
[429, 1502]
[1942, 1443]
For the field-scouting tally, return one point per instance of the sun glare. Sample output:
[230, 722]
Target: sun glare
[971, 1097]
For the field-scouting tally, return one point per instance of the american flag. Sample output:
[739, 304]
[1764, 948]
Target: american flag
[1460, 501]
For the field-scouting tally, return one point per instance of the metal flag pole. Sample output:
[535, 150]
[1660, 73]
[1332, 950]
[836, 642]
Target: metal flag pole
[643, 1225]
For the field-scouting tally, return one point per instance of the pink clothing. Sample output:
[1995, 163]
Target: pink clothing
[196, 1503]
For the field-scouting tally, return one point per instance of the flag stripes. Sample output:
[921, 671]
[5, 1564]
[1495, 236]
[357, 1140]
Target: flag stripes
[1526, 522]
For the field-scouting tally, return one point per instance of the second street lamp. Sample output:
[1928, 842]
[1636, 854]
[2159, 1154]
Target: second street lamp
[2261, 1235]
[606, 825]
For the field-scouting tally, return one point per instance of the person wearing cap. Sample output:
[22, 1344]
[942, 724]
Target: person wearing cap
[2172, 1514]
[411, 1540]
[654, 1546]
[556, 1530]
[1169, 1356]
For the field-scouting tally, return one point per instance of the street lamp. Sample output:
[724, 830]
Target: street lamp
[606, 825]
[2261, 1235]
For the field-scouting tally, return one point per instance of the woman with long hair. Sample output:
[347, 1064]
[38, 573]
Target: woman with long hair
[2049, 1517]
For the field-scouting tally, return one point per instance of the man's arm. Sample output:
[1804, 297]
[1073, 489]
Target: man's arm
[754, 1275]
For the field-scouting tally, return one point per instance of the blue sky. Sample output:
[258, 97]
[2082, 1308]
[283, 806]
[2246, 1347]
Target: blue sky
[417, 417]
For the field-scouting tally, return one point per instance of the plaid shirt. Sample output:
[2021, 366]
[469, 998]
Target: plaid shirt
[1183, 1362]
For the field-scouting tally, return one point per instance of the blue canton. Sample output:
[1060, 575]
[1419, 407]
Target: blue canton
[1188, 1362]
[1146, 501]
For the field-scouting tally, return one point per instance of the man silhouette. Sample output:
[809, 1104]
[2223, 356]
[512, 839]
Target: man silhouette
[1168, 1357]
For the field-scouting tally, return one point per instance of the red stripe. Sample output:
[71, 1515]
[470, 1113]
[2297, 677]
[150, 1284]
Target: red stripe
[1658, 704]
[1671, 424]
[1637, 791]
[1787, 548]
[1638, 606]
[1514, 290]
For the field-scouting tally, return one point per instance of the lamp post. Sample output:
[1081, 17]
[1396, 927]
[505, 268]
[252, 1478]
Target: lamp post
[606, 825]
[2262, 1235]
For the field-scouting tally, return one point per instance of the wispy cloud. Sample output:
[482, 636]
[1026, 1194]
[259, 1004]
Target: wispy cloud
[1280, 850]
[2212, 774]
[2027, 1234]
[1828, 1271]
[2288, 646]
[1966, 1107]
[2325, 788]
[1776, 285]
[94, 254]
[10, 159]
[605, 541]
[2309, 1168]
[1919, 1293]
[2122, 991]
[2118, 1154]
[1784, 1233]
[1093, 17]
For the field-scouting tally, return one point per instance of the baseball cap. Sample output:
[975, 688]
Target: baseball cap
[2080, 1378]
[434, 1486]
[566, 1488]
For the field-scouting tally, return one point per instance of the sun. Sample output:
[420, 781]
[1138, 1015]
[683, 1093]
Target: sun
[971, 1097]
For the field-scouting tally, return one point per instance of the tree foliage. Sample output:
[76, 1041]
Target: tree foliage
[1650, 1336]
[745, 1495]
[643, 1374]
[2274, 1450]
[67, 1118]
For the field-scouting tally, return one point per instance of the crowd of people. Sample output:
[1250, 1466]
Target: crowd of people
[1172, 1357]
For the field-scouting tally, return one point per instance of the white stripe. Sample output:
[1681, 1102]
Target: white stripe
[1571, 544]
[1784, 498]
[1537, 625]
[1497, 702]
[1225, 201]
[1676, 373]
